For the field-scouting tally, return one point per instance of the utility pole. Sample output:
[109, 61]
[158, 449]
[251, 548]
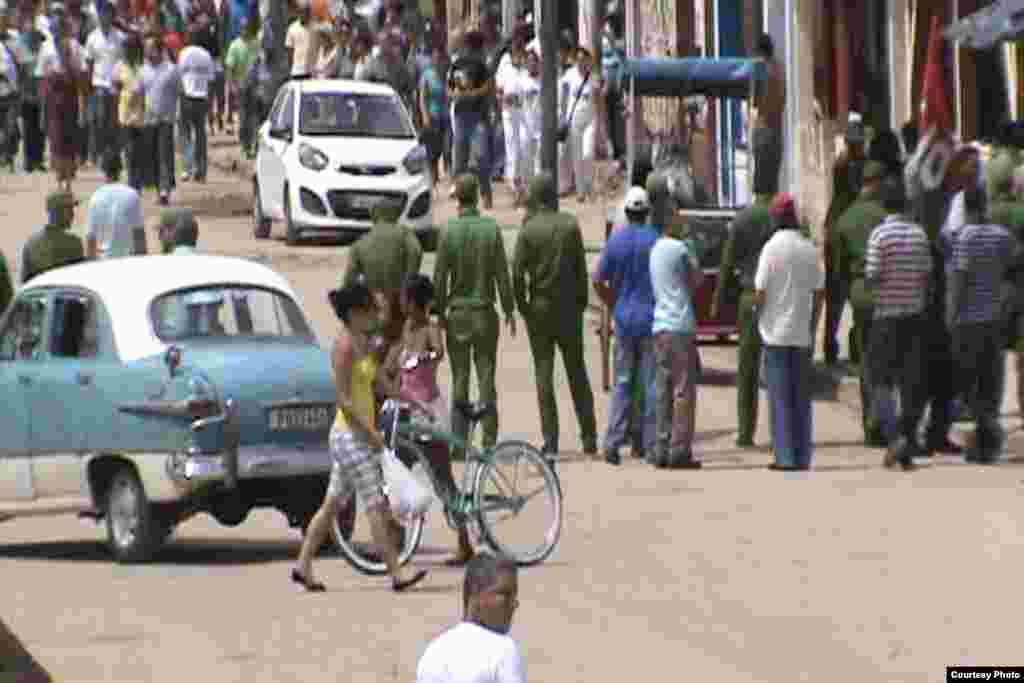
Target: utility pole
[274, 14]
[547, 22]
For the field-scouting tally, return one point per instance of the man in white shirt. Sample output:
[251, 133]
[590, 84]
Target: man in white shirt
[302, 44]
[104, 48]
[197, 70]
[479, 650]
[788, 294]
[114, 223]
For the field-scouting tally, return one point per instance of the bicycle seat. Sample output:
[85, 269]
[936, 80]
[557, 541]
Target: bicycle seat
[474, 412]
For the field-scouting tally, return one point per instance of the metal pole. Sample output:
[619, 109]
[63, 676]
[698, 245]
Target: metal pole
[549, 86]
[275, 17]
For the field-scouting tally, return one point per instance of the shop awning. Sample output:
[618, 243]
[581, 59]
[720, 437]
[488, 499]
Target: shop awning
[1000, 22]
[682, 76]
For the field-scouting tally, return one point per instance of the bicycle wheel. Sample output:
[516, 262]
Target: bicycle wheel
[518, 503]
[359, 549]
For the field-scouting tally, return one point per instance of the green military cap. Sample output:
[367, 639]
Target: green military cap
[59, 199]
[467, 189]
[873, 170]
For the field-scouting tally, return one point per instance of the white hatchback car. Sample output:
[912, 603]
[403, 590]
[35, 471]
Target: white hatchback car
[329, 152]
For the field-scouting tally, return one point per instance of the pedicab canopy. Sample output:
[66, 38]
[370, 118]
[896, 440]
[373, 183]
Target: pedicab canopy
[729, 77]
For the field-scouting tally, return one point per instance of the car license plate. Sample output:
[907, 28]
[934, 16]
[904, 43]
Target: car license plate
[309, 418]
[364, 202]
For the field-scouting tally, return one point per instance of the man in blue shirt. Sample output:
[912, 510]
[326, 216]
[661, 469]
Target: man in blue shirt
[623, 281]
[675, 274]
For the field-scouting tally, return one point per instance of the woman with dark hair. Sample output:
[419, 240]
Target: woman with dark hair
[62, 69]
[885, 149]
[356, 444]
[411, 376]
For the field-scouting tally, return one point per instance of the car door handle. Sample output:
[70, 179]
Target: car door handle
[24, 380]
[83, 378]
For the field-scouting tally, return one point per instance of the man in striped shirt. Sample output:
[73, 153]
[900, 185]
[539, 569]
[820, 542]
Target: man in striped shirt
[981, 255]
[898, 271]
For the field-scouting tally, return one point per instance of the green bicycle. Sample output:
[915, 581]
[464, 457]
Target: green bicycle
[510, 496]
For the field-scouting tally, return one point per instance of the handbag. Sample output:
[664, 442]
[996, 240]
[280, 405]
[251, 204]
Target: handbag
[562, 134]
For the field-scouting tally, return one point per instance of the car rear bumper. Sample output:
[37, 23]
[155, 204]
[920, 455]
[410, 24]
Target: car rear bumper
[254, 462]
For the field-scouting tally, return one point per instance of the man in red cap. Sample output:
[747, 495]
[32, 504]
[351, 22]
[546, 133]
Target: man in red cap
[788, 293]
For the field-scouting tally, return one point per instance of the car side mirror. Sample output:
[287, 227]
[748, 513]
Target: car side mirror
[281, 134]
[172, 359]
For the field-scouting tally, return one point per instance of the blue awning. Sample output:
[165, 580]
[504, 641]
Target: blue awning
[1000, 22]
[682, 76]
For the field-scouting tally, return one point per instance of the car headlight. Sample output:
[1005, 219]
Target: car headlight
[415, 162]
[312, 158]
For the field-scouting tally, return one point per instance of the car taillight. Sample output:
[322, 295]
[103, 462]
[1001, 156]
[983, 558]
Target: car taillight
[198, 408]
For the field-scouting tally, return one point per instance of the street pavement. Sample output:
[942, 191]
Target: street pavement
[732, 573]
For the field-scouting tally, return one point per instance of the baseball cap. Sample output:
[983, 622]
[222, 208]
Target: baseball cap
[855, 128]
[59, 199]
[637, 200]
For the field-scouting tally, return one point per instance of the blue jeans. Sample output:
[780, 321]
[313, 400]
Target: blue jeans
[788, 375]
[632, 353]
[192, 128]
[471, 148]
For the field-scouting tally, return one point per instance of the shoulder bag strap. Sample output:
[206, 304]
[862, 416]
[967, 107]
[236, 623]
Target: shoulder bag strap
[579, 91]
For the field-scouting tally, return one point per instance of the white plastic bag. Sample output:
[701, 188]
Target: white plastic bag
[407, 497]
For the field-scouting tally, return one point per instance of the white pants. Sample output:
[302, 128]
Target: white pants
[513, 128]
[580, 148]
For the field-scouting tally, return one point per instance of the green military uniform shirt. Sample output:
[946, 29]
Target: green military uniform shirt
[549, 272]
[850, 246]
[471, 265]
[385, 256]
[750, 230]
[50, 248]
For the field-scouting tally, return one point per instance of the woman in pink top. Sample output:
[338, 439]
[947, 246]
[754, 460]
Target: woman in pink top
[412, 366]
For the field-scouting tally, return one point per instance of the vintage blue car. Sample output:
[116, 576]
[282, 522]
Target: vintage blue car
[145, 390]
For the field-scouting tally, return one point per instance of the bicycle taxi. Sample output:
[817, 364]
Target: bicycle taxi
[698, 140]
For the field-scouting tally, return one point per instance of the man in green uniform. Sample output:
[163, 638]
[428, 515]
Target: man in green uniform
[386, 256]
[847, 178]
[749, 231]
[850, 246]
[53, 246]
[1007, 209]
[549, 275]
[471, 265]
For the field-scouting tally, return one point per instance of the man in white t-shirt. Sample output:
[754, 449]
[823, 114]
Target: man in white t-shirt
[104, 48]
[788, 294]
[479, 650]
[197, 71]
[115, 223]
[303, 46]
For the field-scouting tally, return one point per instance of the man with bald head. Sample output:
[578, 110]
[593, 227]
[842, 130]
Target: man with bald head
[178, 231]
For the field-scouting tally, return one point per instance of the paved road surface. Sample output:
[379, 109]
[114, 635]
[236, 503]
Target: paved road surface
[733, 573]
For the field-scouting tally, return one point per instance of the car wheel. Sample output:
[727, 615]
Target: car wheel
[261, 224]
[292, 234]
[133, 530]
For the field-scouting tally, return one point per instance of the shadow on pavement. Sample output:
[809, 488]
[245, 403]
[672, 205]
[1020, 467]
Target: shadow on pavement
[183, 552]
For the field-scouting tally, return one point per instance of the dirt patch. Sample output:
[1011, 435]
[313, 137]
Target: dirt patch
[221, 205]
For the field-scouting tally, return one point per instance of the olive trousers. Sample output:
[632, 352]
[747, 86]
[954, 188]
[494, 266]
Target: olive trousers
[473, 342]
[748, 370]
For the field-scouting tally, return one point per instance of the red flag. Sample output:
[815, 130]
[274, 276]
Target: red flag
[935, 111]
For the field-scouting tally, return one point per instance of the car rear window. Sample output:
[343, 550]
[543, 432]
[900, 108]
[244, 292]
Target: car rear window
[351, 114]
[227, 311]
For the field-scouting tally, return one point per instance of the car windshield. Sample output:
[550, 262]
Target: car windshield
[357, 115]
[227, 311]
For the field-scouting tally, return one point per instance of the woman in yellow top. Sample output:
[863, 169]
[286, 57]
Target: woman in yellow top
[131, 110]
[356, 444]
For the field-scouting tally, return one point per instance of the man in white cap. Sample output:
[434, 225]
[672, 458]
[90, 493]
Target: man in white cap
[623, 281]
